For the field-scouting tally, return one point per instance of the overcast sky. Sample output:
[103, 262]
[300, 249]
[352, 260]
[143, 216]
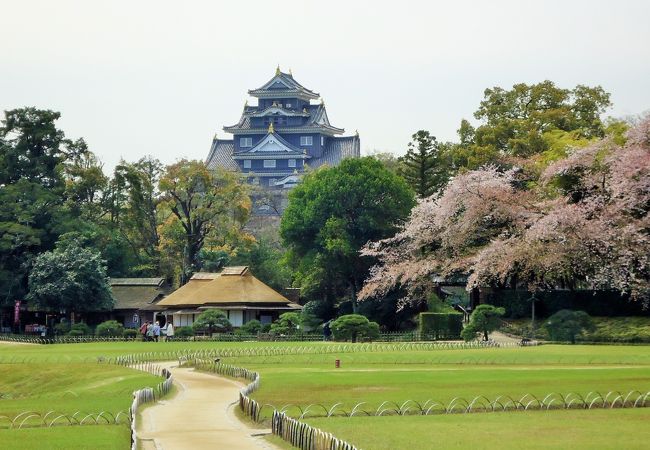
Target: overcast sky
[156, 77]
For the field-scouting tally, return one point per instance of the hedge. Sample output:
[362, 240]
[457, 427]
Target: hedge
[441, 325]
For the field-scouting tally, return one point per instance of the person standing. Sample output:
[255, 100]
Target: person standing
[156, 331]
[170, 332]
[143, 330]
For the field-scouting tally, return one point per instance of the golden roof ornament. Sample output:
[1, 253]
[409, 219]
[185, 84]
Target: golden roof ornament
[277, 70]
[356, 132]
[290, 72]
[304, 110]
[271, 129]
[245, 103]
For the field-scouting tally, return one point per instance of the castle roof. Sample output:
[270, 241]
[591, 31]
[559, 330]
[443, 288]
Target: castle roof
[318, 121]
[336, 149]
[283, 85]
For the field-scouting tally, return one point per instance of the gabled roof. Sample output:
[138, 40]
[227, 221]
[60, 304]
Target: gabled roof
[272, 143]
[137, 281]
[277, 110]
[137, 293]
[282, 84]
[234, 285]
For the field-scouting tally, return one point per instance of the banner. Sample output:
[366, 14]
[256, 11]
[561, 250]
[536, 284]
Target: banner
[17, 312]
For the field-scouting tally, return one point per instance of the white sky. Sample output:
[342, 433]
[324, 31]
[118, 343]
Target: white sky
[161, 77]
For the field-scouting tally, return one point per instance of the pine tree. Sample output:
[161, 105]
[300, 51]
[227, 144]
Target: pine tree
[422, 166]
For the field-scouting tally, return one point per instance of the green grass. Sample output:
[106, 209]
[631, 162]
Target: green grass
[576, 429]
[67, 388]
[92, 437]
[373, 377]
[377, 377]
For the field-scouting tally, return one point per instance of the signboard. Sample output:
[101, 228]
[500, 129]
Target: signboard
[17, 312]
[136, 319]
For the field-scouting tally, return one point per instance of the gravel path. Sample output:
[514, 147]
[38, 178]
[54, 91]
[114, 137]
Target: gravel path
[199, 416]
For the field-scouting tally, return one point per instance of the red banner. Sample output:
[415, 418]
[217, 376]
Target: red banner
[17, 312]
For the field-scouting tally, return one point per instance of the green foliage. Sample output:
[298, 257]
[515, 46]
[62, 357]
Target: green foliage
[204, 208]
[130, 333]
[311, 315]
[287, 323]
[183, 331]
[62, 328]
[265, 259]
[331, 215]
[438, 305]
[527, 120]
[566, 325]
[423, 166]
[437, 325]
[251, 327]
[211, 321]
[109, 328]
[80, 329]
[484, 320]
[353, 327]
[32, 211]
[70, 278]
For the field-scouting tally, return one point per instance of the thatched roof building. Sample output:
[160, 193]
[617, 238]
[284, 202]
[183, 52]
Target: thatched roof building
[234, 290]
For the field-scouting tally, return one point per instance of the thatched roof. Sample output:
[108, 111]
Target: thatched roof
[137, 293]
[234, 285]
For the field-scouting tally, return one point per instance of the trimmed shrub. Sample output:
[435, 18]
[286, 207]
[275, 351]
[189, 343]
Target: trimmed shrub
[484, 320]
[109, 328]
[252, 327]
[130, 333]
[353, 327]
[566, 325]
[436, 325]
[62, 328]
[212, 321]
[80, 329]
[287, 323]
[183, 332]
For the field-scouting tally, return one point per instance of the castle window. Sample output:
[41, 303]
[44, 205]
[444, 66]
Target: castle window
[246, 142]
[247, 164]
[306, 140]
[269, 163]
[292, 163]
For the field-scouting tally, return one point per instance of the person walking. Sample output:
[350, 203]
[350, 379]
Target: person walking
[156, 331]
[149, 332]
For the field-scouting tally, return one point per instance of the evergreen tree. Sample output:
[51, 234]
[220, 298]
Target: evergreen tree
[422, 167]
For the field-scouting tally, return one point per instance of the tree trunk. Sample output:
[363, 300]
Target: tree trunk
[485, 335]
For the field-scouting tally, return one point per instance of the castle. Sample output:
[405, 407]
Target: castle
[277, 140]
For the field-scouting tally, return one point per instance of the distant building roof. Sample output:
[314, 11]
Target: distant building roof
[234, 285]
[137, 293]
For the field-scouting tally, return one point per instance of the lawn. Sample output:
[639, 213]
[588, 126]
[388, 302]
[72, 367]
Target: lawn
[377, 377]
[67, 388]
[576, 429]
[304, 373]
[92, 437]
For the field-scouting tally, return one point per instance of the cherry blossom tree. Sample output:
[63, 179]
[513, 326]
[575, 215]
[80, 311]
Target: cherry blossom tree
[583, 223]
